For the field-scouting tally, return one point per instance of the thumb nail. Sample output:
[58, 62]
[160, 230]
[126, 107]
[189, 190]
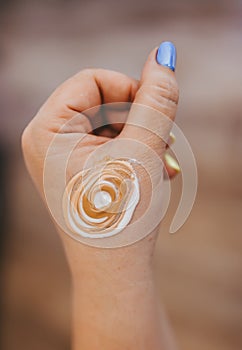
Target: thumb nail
[166, 55]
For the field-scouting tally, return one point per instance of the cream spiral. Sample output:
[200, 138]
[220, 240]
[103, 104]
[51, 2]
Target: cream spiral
[100, 202]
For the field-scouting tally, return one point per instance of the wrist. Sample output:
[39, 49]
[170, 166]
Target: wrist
[133, 262]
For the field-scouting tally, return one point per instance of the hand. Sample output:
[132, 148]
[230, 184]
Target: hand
[89, 88]
[62, 115]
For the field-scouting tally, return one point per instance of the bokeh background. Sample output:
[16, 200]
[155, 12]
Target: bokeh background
[199, 269]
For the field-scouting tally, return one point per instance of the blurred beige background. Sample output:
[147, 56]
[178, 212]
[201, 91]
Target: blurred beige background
[199, 269]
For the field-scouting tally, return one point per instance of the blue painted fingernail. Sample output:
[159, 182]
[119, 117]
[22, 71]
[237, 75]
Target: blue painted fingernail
[166, 55]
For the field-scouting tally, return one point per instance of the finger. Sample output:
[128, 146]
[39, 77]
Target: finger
[111, 115]
[155, 104]
[106, 131]
[117, 118]
[85, 90]
[171, 165]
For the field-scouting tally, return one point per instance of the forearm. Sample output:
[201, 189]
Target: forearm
[115, 305]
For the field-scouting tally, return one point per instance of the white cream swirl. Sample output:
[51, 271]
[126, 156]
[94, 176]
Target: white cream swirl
[100, 202]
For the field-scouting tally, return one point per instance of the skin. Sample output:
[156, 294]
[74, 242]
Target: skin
[115, 305]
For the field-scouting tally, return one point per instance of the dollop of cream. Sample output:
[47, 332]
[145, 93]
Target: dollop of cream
[100, 202]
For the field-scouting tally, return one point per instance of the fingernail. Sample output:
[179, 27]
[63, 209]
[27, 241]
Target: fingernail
[172, 138]
[166, 55]
[172, 163]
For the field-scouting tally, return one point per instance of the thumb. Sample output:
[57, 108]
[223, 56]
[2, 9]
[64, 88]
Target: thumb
[155, 104]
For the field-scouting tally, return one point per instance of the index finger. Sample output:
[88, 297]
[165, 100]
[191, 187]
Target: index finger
[86, 89]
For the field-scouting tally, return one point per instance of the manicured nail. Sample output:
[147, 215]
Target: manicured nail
[172, 138]
[166, 55]
[172, 163]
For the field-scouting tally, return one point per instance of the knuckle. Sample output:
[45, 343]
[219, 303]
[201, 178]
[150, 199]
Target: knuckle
[25, 138]
[163, 91]
[88, 71]
[160, 93]
[60, 91]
